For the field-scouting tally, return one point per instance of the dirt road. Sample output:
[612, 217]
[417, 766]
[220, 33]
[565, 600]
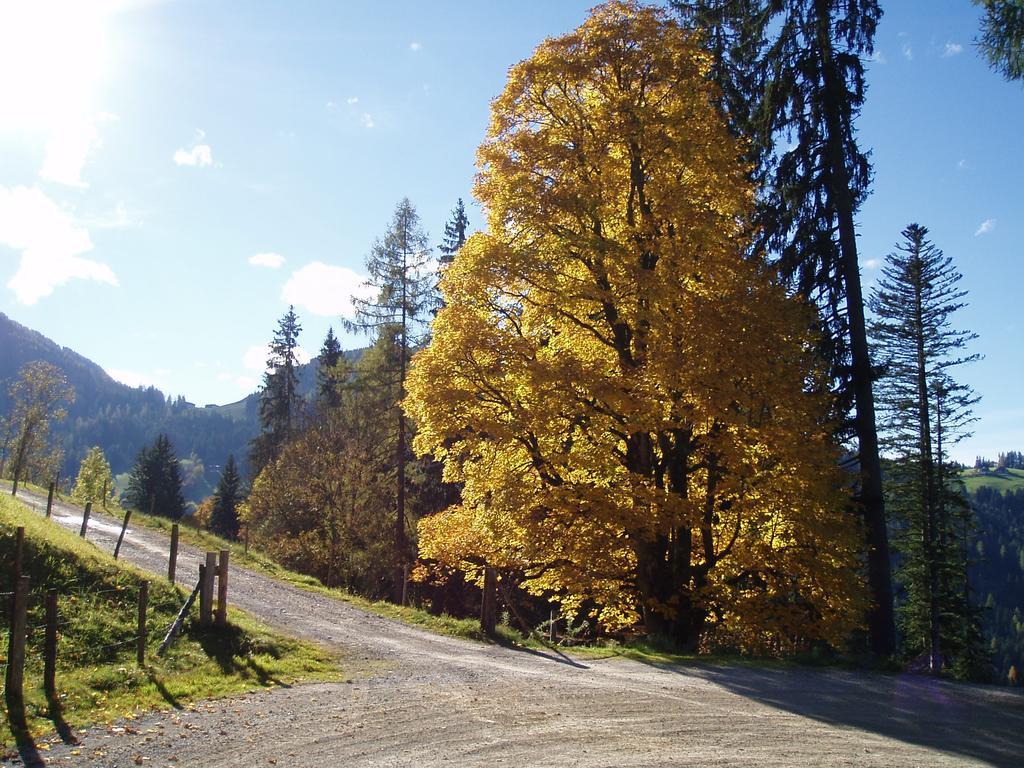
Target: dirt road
[419, 699]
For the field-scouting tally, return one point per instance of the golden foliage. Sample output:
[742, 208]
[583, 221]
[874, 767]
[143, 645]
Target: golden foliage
[623, 394]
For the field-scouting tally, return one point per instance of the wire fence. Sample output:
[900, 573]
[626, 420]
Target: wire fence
[61, 624]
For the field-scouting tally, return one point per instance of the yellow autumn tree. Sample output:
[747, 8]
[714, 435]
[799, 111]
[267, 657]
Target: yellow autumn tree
[625, 396]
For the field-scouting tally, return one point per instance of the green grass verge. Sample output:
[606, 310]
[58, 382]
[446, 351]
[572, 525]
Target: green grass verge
[97, 677]
[1000, 479]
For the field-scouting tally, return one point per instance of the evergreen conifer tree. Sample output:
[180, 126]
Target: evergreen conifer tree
[279, 398]
[454, 233]
[794, 71]
[226, 498]
[157, 476]
[924, 411]
[327, 371]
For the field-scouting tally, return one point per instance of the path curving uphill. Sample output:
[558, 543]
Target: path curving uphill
[424, 700]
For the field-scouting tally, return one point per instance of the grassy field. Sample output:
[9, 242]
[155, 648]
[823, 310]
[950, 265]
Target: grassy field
[97, 678]
[1000, 479]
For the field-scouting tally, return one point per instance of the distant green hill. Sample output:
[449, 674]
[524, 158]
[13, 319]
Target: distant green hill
[122, 419]
[998, 479]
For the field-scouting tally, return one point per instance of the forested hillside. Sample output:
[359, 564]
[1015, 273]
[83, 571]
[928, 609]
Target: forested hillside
[998, 574]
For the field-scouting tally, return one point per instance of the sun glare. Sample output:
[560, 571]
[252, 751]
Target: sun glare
[52, 55]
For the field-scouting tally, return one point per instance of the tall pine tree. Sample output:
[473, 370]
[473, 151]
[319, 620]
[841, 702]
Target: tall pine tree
[923, 409]
[279, 398]
[399, 272]
[793, 70]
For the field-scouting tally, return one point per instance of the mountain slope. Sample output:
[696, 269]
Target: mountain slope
[122, 419]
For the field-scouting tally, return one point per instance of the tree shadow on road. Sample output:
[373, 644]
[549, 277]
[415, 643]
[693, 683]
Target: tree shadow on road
[983, 722]
[550, 653]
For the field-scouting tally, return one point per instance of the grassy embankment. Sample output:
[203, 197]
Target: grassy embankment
[97, 678]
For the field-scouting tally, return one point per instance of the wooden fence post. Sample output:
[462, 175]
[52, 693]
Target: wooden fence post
[85, 519]
[206, 593]
[50, 644]
[405, 583]
[152, 504]
[222, 589]
[488, 607]
[16, 647]
[172, 563]
[124, 527]
[104, 502]
[19, 552]
[201, 589]
[140, 647]
[49, 499]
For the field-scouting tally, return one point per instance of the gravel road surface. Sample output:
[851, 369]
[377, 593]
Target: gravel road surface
[417, 699]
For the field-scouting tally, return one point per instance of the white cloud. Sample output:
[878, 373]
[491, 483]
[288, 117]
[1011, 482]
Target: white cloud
[952, 49]
[68, 147]
[200, 155]
[986, 226]
[873, 263]
[908, 52]
[878, 57]
[352, 100]
[50, 242]
[415, 47]
[246, 383]
[255, 358]
[271, 260]
[325, 290]
[367, 120]
[963, 165]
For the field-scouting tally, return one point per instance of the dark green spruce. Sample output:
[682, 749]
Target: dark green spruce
[156, 478]
[328, 377]
[226, 498]
[791, 74]
[454, 233]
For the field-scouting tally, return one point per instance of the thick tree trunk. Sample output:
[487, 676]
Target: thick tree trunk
[881, 623]
[665, 576]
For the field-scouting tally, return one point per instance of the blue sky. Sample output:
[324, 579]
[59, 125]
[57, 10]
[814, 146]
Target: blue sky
[174, 174]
